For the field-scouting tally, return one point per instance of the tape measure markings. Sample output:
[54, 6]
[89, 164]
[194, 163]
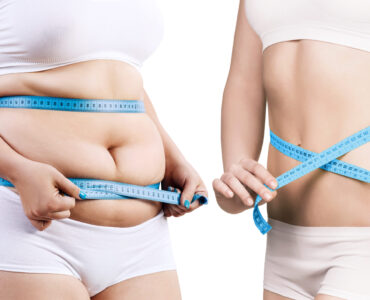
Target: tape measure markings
[334, 166]
[73, 104]
[317, 160]
[106, 189]
[96, 188]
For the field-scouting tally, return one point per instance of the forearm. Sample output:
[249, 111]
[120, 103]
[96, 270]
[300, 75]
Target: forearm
[172, 152]
[242, 122]
[242, 130]
[10, 162]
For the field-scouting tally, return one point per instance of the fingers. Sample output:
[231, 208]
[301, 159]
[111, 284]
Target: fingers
[59, 207]
[185, 200]
[60, 214]
[180, 209]
[261, 173]
[254, 183]
[69, 187]
[40, 224]
[243, 180]
[64, 203]
[235, 185]
[172, 210]
[166, 211]
[220, 187]
[188, 193]
[191, 187]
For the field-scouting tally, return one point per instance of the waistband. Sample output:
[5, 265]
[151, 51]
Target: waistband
[73, 104]
[279, 226]
[15, 198]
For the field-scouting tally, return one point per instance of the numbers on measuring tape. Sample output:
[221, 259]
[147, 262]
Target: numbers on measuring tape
[73, 104]
[311, 161]
[111, 190]
[96, 188]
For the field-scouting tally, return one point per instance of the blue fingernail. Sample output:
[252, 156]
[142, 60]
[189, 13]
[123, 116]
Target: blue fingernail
[82, 195]
[187, 204]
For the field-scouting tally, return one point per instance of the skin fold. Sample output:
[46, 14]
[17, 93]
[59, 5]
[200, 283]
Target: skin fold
[316, 93]
[124, 147]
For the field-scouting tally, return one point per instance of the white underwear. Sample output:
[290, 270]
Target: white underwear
[302, 262]
[99, 256]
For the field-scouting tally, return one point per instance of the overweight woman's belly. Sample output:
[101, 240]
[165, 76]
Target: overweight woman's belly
[124, 147]
[318, 94]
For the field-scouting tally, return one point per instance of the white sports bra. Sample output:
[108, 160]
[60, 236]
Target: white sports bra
[345, 22]
[43, 34]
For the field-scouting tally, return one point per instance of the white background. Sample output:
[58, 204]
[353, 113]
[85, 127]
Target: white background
[219, 256]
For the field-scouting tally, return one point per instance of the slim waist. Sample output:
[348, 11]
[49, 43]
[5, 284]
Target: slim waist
[326, 159]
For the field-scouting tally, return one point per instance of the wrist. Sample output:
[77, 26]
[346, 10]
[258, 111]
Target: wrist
[17, 169]
[231, 205]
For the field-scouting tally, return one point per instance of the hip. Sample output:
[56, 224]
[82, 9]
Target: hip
[67, 247]
[302, 262]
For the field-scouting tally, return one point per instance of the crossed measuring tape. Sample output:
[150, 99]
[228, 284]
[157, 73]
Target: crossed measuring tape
[97, 188]
[325, 160]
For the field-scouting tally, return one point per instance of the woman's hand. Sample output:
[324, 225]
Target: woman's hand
[183, 177]
[237, 188]
[38, 186]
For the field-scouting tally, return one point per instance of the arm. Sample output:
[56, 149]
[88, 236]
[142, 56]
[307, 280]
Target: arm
[172, 153]
[10, 162]
[243, 105]
[38, 185]
[242, 122]
[179, 173]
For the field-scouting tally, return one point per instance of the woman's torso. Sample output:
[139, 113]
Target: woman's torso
[318, 93]
[124, 147]
[88, 50]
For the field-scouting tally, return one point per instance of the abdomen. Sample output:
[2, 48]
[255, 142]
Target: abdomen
[124, 147]
[318, 95]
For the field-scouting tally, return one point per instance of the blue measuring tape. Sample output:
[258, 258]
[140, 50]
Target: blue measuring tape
[106, 189]
[97, 188]
[325, 160]
[72, 104]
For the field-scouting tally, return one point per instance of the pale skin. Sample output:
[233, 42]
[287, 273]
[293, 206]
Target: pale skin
[317, 94]
[131, 148]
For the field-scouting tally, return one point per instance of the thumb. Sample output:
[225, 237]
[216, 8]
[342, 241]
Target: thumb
[188, 193]
[68, 187]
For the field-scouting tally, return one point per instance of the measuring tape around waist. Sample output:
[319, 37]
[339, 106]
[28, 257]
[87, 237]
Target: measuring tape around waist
[325, 160]
[73, 104]
[96, 188]
[106, 189]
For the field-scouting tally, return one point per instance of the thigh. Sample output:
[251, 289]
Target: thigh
[32, 286]
[267, 295]
[156, 286]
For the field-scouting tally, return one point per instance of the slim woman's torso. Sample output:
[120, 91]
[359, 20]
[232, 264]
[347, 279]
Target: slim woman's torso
[124, 147]
[318, 93]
